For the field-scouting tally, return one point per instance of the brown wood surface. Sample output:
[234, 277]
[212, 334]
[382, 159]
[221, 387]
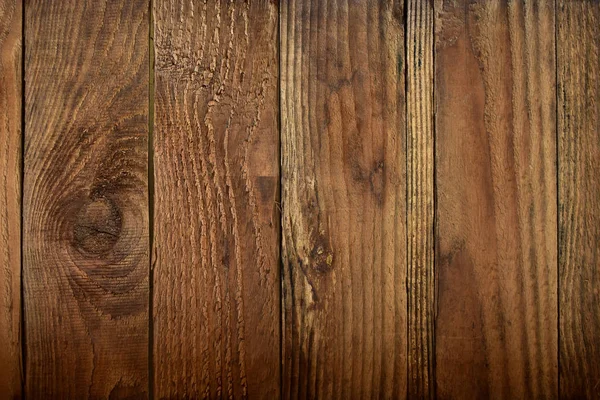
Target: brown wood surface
[85, 201]
[419, 198]
[343, 196]
[216, 245]
[578, 57]
[10, 197]
[438, 168]
[496, 326]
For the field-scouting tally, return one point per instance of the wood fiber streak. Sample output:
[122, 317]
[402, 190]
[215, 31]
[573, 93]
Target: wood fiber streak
[10, 198]
[343, 194]
[496, 325]
[578, 56]
[419, 201]
[85, 199]
[216, 142]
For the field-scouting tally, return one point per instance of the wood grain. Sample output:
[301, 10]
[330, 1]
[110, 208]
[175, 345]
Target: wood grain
[216, 270]
[578, 55]
[85, 199]
[343, 196]
[10, 197]
[496, 326]
[419, 200]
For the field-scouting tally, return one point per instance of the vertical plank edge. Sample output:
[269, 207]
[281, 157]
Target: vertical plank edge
[11, 31]
[578, 52]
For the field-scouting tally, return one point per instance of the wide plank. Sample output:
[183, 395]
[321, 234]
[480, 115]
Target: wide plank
[343, 197]
[10, 197]
[85, 199]
[578, 56]
[216, 246]
[496, 237]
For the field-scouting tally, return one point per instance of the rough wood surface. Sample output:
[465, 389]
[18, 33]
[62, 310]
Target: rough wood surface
[578, 56]
[343, 197]
[85, 200]
[216, 270]
[10, 198]
[419, 198]
[496, 326]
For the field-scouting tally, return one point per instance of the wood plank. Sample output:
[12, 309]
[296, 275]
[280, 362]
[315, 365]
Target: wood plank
[578, 54]
[496, 326]
[216, 142]
[85, 199]
[343, 197]
[419, 200]
[10, 197]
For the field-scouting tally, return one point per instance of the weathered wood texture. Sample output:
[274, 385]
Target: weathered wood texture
[10, 197]
[343, 195]
[578, 57]
[496, 326]
[216, 141]
[85, 199]
[419, 197]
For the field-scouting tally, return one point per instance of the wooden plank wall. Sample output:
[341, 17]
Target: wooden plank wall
[299, 199]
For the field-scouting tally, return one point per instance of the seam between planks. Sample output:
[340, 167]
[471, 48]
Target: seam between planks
[557, 155]
[21, 189]
[151, 199]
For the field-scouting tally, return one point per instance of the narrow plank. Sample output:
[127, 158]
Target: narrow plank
[343, 197]
[216, 142]
[10, 197]
[578, 54]
[496, 326]
[419, 201]
[85, 199]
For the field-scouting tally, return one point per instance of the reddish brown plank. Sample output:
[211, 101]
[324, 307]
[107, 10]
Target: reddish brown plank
[343, 195]
[216, 142]
[578, 54]
[496, 327]
[419, 201]
[85, 199]
[10, 197]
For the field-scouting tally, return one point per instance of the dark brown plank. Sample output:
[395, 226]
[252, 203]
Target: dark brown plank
[578, 57]
[496, 326]
[85, 199]
[343, 195]
[10, 198]
[419, 201]
[216, 272]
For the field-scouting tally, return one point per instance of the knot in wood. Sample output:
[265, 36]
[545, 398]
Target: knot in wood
[97, 227]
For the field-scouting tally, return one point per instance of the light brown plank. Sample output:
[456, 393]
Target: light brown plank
[216, 141]
[343, 195]
[419, 201]
[578, 56]
[85, 199]
[10, 197]
[496, 327]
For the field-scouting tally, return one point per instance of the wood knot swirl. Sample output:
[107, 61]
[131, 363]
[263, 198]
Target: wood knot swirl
[97, 227]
